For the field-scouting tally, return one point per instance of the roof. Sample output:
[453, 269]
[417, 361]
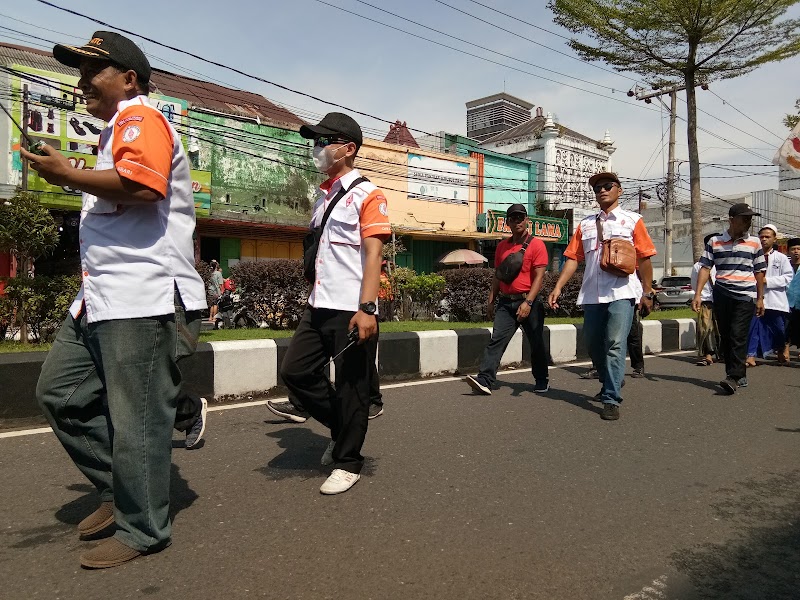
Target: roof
[500, 96]
[200, 94]
[400, 135]
[534, 127]
[204, 94]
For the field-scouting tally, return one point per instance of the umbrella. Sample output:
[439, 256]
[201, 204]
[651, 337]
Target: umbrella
[462, 256]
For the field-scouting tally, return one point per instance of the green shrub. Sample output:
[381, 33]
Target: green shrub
[425, 290]
[274, 291]
[567, 302]
[44, 302]
[466, 293]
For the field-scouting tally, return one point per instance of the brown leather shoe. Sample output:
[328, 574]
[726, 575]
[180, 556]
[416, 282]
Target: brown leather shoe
[97, 521]
[107, 554]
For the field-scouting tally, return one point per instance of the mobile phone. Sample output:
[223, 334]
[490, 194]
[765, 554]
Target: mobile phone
[34, 147]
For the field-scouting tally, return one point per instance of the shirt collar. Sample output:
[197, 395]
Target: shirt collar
[345, 180]
[612, 215]
[123, 104]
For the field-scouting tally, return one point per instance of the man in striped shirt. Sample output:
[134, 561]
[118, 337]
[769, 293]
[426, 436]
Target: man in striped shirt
[738, 289]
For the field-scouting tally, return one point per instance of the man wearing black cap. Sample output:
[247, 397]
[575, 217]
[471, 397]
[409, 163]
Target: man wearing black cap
[738, 289]
[518, 303]
[609, 294]
[138, 310]
[345, 283]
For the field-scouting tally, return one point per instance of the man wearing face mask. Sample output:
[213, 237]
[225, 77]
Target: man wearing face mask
[738, 289]
[343, 297]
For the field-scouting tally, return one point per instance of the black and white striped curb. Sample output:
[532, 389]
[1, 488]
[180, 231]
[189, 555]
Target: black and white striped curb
[238, 369]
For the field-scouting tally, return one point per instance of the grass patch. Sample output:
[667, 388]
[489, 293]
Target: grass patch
[224, 335]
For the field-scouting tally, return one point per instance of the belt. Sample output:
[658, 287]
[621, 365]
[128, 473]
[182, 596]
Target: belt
[513, 296]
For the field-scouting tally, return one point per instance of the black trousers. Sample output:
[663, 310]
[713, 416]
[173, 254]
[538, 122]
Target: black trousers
[733, 321]
[344, 409]
[635, 350]
[189, 407]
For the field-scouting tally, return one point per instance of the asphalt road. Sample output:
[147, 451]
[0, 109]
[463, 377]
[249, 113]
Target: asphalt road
[691, 494]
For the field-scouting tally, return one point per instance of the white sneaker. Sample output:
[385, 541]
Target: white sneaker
[478, 386]
[339, 481]
[327, 456]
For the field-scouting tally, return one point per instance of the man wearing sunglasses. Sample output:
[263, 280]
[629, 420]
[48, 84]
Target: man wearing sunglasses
[343, 297]
[608, 300]
[518, 305]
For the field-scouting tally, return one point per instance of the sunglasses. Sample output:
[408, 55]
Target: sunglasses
[322, 142]
[516, 217]
[603, 186]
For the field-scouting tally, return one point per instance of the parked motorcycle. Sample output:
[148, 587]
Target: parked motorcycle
[232, 313]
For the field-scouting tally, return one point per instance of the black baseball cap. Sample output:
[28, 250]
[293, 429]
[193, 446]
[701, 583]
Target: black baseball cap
[793, 242]
[516, 208]
[604, 175]
[742, 210]
[335, 125]
[110, 46]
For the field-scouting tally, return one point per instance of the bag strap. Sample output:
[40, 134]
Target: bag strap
[525, 245]
[340, 194]
[599, 226]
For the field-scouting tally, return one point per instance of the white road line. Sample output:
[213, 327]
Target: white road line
[38, 430]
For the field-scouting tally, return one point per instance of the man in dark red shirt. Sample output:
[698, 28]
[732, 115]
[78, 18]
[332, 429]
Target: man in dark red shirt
[518, 305]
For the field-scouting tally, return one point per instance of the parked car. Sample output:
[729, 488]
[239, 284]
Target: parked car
[674, 291]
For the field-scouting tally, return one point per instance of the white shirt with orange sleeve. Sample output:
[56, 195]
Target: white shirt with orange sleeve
[601, 287]
[133, 256]
[361, 213]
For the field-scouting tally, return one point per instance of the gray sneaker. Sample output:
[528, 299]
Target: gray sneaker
[375, 411]
[195, 433]
[287, 410]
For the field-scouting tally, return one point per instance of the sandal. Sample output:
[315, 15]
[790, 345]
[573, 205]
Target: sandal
[704, 362]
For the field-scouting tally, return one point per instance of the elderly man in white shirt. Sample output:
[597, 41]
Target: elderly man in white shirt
[707, 340]
[768, 333]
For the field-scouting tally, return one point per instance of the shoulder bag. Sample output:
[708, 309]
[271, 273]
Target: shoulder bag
[618, 256]
[508, 270]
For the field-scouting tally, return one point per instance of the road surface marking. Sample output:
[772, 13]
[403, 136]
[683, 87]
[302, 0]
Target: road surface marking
[38, 430]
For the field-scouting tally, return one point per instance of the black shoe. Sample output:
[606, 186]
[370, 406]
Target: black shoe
[375, 410]
[742, 382]
[590, 374]
[542, 386]
[478, 385]
[610, 412]
[729, 385]
[287, 410]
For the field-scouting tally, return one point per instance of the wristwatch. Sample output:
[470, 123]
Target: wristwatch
[368, 308]
[650, 296]
[530, 302]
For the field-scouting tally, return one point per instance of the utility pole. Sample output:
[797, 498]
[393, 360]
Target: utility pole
[673, 109]
[22, 144]
[669, 205]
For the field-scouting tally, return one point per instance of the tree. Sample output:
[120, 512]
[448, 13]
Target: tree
[27, 231]
[791, 120]
[686, 41]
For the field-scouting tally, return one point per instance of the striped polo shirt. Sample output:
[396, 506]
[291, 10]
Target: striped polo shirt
[737, 262]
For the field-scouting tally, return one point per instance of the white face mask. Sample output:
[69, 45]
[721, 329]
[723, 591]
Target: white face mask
[323, 157]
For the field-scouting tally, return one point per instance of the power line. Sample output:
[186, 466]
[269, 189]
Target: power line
[483, 58]
[514, 33]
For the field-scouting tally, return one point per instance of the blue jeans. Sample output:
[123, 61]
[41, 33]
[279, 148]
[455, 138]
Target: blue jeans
[504, 328]
[123, 445]
[606, 328]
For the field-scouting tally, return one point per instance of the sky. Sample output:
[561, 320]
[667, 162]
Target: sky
[315, 47]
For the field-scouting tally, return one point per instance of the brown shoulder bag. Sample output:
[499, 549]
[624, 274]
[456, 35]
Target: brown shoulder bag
[618, 256]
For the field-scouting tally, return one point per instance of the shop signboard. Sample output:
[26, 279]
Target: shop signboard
[547, 229]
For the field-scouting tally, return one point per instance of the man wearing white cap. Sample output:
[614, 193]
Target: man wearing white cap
[768, 333]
